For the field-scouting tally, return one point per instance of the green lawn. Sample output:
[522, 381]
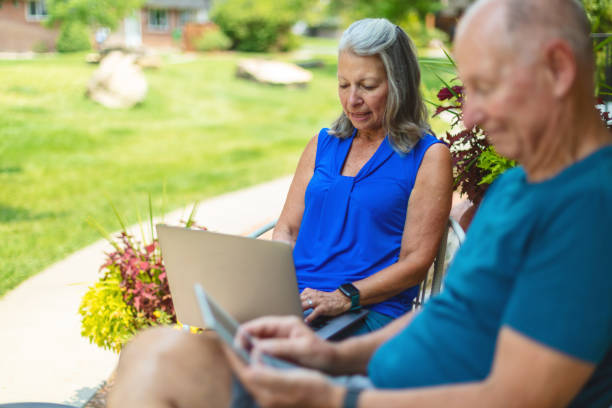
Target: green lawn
[201, 131]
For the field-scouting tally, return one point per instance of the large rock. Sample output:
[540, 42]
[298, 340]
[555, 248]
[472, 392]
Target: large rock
[273, 72]
[118, 82]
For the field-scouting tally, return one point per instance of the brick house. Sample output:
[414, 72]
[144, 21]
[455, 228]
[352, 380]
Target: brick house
[21, 28]
[158, 24]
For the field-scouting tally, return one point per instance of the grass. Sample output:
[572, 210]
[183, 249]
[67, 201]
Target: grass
[201, 132]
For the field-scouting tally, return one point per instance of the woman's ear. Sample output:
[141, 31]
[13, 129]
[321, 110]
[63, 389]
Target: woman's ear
[561, 62]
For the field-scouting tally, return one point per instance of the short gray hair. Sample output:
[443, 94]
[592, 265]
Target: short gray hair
[405, 117]
[565, 19]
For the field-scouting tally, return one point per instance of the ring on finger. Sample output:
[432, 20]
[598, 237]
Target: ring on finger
[309, 301]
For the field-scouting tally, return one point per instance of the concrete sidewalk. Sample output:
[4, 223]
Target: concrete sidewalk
[43, 357]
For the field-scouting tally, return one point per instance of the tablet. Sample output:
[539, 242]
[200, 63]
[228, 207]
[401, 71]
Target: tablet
[226, 327]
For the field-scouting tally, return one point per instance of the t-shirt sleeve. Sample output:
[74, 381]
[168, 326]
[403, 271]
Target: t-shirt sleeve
[563, 295]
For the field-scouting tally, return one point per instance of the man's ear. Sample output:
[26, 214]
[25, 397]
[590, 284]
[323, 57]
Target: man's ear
[561, 65]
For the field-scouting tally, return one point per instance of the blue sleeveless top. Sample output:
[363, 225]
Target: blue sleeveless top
[352, 226]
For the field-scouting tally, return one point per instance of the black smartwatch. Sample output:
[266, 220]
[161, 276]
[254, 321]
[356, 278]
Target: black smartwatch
[350, 291]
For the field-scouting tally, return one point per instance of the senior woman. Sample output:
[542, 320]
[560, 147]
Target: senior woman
[371, 195]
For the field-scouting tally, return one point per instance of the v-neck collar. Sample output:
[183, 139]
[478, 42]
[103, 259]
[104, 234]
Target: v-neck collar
[381, 155]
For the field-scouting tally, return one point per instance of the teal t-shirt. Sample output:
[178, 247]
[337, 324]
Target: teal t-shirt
[537, 258]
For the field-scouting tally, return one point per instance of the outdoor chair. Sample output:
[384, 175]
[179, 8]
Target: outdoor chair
[432, 284]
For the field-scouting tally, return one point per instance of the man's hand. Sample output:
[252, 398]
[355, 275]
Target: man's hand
[288, 338]
[284, 388]
[324, 303]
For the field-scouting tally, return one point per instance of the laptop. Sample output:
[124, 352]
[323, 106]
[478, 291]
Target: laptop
[248, 277]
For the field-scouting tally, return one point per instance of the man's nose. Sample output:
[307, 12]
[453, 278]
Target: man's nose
[472, 114]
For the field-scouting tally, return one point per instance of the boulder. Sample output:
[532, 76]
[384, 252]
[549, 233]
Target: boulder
[273, 72]
[118, 82]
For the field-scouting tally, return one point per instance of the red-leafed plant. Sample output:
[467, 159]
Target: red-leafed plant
[143, 278]
[466, 145]
[133, 291]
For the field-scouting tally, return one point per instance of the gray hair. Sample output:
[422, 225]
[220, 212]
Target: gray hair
[565, 19]
[405, 117]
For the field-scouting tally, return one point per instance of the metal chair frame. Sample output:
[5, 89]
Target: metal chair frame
[433, 282]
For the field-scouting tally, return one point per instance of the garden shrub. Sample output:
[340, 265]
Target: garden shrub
[258, 26]
[73, 37]
[133, 291]
[419, 33]
[213, 40]
[132, 294]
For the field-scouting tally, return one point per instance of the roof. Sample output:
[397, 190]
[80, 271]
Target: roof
[179, 4]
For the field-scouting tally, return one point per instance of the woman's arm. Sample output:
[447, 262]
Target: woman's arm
[288, 223]
[426, 219]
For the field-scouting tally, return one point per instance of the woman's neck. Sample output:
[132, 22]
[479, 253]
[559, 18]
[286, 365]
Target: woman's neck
[371, 135]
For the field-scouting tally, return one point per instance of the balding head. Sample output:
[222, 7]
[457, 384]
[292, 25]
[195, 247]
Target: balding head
[527, 24]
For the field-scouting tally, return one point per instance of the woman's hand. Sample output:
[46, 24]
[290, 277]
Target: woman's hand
[288, 338]
[324, 303]
[284, 388]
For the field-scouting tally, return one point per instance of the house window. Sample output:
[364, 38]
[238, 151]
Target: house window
[36, 10]
[158, 20]
[187, 16]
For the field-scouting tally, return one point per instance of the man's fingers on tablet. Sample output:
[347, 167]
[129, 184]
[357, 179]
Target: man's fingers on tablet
[279, 348]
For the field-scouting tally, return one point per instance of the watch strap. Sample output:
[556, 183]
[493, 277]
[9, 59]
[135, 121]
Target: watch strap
[350, 291]
[351, 397]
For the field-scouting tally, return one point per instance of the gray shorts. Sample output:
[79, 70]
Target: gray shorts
[242, 399]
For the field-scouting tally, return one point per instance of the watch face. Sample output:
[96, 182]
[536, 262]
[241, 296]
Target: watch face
[349, 289]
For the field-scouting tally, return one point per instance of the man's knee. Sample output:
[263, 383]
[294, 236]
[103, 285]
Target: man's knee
[171, 365]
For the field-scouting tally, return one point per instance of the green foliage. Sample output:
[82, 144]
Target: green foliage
[258, 26]
[101, 13]
[493, 164]
[393, 10]
[73, 37]
[600, 15]
[213, 40]
[418, 32]
[107, 320]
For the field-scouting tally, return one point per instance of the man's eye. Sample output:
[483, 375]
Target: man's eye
[482, 89]
[342, 86]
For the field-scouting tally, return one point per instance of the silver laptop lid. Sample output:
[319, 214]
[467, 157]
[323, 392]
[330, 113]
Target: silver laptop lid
[248, 277]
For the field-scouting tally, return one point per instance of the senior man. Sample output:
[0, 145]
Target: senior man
[525, 318]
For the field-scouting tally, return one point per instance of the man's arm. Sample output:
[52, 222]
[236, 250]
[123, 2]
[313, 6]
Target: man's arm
[354, 354]
[290, 339]
[525, 373]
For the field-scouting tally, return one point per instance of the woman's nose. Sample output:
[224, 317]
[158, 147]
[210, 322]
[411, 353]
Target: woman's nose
[354, 97]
